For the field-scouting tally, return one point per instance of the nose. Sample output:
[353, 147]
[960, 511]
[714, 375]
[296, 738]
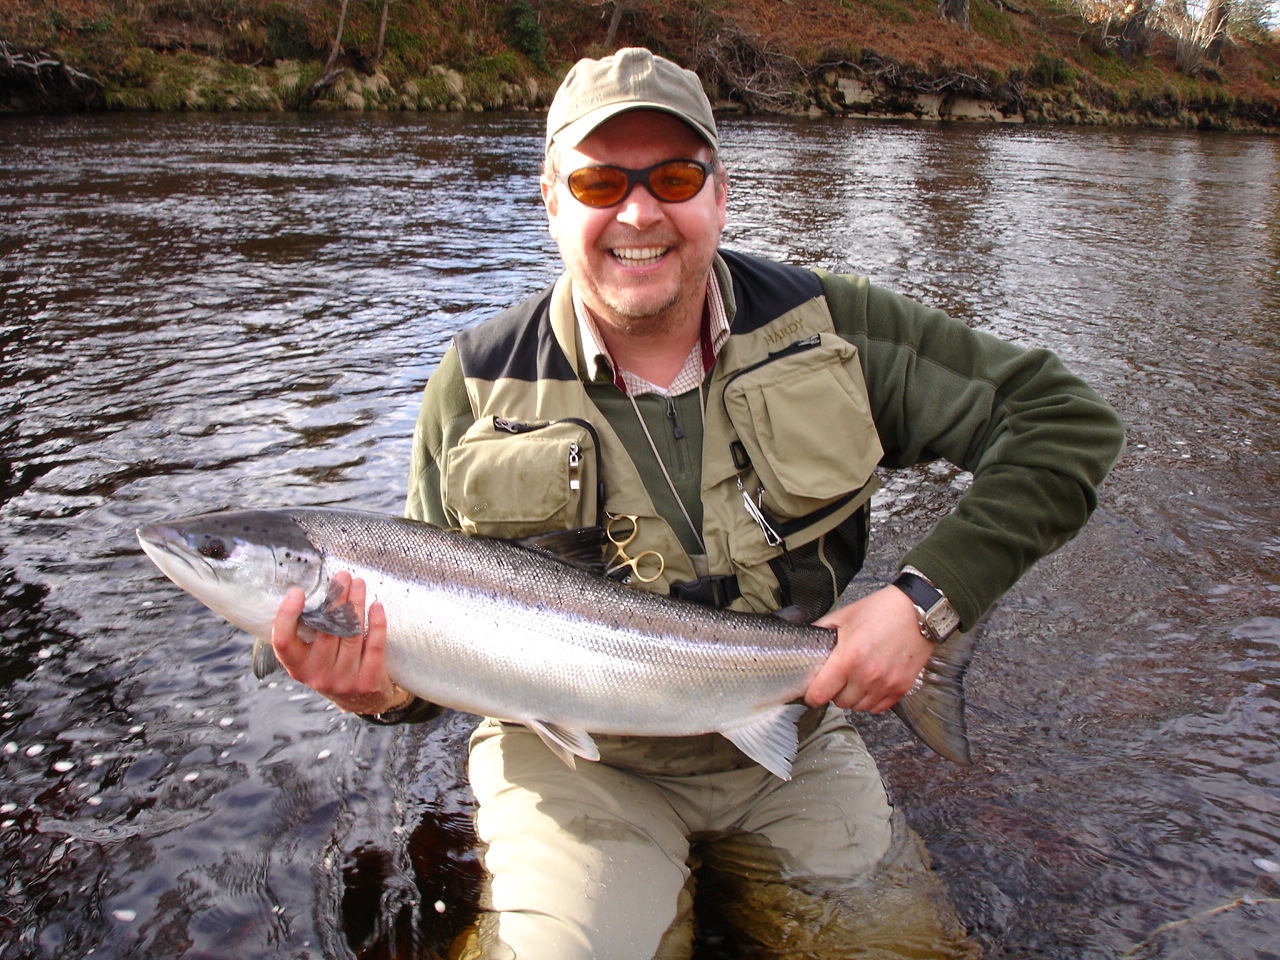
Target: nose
[640, 208]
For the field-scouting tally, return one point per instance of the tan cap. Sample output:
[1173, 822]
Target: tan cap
[631, 79]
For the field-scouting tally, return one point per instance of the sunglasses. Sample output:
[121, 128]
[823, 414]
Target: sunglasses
[672, 181]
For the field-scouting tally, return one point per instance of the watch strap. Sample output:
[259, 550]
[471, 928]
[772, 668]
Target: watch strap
[922, 593]
[937, 618]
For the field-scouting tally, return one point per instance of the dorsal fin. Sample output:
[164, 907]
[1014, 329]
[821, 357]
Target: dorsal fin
[795, 614]
[582, 547]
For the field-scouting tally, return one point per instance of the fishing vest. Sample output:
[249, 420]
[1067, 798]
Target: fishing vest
[789, 446]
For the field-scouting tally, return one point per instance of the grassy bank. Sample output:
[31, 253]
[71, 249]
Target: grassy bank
[1025, 61]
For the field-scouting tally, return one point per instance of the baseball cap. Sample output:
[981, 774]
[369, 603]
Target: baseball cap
[631, 79]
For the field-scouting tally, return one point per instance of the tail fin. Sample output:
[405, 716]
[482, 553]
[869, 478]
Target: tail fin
[935, 713]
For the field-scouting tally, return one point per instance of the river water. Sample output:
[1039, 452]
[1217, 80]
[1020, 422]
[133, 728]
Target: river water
[206, 311]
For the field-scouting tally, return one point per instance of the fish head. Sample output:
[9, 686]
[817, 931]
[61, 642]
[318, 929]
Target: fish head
[238, 564]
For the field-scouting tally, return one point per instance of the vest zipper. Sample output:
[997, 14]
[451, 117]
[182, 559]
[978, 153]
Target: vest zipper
[677, 433]
[575, 453]
[575, 467]
[800, 346]
[742, 460]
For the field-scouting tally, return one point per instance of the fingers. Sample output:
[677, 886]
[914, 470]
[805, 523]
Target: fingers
[375, 641]
[348, 651]
[290, 650]
[878, 655]
[350, 671]
[852, 689]
[854, 693]
[827, 683]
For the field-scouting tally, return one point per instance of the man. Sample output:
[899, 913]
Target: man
[736, 410]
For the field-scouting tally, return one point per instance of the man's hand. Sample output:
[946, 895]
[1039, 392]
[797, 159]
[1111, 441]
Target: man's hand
[350, 671]
[879, 653]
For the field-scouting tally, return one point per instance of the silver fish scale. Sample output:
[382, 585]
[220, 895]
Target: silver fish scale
[495, 629]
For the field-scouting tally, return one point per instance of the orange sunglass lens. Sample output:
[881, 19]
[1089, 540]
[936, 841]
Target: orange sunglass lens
[675, 182]
[599, 186]
[604, 186]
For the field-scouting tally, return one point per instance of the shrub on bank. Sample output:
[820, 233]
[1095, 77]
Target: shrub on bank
[1031, 60]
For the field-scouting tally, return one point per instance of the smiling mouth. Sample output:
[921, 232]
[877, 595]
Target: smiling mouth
[638, 256]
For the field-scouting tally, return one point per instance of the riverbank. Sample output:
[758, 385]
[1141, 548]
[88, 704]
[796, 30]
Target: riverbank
[1034, 62]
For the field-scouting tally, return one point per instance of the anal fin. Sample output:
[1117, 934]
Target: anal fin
[564, 742]
[770, 738]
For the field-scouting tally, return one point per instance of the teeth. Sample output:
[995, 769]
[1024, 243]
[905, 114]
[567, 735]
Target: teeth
[639, 255]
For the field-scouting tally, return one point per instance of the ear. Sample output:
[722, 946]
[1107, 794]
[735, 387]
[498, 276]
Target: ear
[551, 203]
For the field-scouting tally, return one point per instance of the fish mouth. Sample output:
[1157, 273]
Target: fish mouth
[167, 548]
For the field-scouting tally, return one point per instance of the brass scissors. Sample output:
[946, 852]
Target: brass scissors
[621, 539]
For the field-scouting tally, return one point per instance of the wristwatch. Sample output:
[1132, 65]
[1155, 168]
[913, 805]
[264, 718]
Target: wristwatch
[938, 619]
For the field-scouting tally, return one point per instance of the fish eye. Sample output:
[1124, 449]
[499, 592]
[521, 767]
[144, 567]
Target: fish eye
[214, 550]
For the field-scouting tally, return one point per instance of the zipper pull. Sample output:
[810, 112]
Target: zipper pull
[677, 431]
[575, 467]
[756, 512]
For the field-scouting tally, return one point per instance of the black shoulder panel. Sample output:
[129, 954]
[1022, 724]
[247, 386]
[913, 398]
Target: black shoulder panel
[516, 344]
[764, 290]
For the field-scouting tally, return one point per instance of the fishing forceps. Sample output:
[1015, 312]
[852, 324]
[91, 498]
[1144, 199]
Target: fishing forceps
[621, 539]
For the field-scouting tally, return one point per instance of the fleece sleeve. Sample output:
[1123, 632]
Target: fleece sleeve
[444, 416]
[1038, 440]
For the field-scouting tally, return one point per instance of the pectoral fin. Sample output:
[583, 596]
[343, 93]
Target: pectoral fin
[332, 617]
[770, 738]
[264, 658]
[564, 742]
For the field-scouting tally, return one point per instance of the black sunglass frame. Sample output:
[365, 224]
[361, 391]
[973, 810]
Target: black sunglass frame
[634, 177]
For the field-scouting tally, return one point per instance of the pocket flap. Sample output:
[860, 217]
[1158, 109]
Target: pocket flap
[508, 479]
[804, 420]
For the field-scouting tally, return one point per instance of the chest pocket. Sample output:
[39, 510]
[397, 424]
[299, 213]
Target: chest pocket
[804, 424]
[508, 478]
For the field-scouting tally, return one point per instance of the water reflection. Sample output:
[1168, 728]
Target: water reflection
[205, 311]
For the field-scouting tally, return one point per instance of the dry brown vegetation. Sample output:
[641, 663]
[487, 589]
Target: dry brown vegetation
[1041, 58]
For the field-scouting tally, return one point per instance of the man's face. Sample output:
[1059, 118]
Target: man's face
[641, 265]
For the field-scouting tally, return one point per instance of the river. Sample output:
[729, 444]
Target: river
[207, 311]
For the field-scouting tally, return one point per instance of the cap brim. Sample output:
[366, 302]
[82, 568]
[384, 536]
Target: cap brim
[574, 133]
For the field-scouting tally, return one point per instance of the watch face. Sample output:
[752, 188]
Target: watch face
[937, 616]
[943, 622]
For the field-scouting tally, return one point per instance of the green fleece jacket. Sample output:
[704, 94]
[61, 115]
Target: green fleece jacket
[1037, 439]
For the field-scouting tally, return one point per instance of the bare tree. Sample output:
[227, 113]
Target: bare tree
[615, 20]
[957, 11]
[331, 71]
[382, 33]
[1218, 14]
[1196, 41]
[1135, 33]
[337, 40]
[1198, 29]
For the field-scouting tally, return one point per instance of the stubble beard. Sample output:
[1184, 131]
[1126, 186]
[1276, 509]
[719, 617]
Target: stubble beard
[633, 316]
[630, 310]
